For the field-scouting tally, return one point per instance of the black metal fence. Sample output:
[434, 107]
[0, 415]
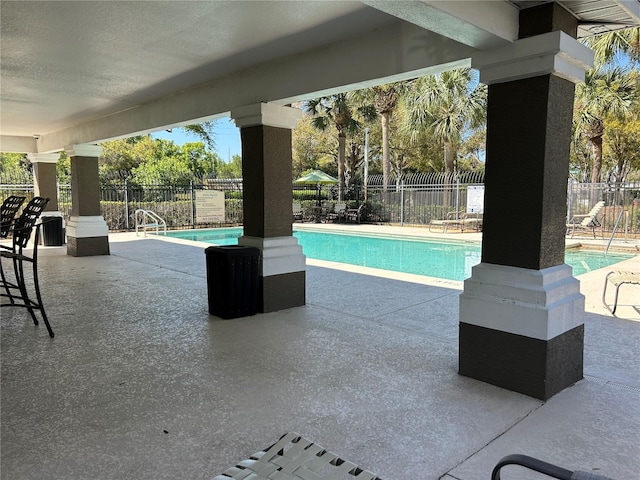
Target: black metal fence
[621, 200]
[418, 198]
[411, 200]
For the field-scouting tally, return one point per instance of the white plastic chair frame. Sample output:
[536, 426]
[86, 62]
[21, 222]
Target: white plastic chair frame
[618, 278]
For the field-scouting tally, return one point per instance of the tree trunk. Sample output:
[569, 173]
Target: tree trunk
[448, 172]
[341, 151]
[621, 173]
[386, 163]
[596, 146]
[448, 159]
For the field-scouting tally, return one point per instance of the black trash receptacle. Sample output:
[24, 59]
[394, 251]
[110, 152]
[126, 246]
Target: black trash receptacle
[232, 280]
[52, 233]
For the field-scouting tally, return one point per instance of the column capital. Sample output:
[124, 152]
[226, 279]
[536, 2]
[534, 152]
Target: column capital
[268, 114]
[553, 53]
[83, 150]
[43, 157]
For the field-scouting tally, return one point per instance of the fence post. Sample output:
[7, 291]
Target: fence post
[126, 203]
[457, 194]
[193, 206]
[402, 202]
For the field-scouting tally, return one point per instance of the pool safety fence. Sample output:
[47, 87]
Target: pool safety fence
[415, 199]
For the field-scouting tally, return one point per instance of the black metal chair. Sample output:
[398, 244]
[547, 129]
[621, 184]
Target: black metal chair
[21, 233]
[8, 211]
[545, 468]
[10, 207]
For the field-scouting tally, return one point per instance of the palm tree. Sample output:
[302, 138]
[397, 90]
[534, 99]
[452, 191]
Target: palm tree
[446, 105]
[608, 92]
[384, 99]
[608, 45]
[338, 110]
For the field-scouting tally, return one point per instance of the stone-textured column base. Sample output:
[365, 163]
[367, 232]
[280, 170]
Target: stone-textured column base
[522, 329]
[282, 272]
[282, 291]
[534, 367]
[87, 236]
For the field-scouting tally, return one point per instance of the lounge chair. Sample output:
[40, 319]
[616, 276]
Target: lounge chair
[295, 458]
[452, 220]
[298, 214]
[618, 278]
[354, 214]
[544, 468]
[471, 221]
[339, 212]
[588, 221]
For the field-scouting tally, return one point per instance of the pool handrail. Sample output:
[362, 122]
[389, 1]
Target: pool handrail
[148, 219]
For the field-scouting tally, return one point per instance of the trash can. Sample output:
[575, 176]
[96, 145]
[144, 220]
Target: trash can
[52, 233]
[232, 280]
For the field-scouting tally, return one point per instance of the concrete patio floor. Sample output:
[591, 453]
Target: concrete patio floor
[141, 383]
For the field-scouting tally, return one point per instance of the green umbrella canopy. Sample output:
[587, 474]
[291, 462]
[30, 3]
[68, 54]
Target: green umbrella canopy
[315, 177]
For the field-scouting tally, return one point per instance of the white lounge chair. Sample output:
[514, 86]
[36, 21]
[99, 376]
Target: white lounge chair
[459, 220]
[588, 221]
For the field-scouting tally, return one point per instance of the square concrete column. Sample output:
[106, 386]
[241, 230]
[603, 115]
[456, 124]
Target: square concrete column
[521, 312]
[265, 132]
[87, 231]
[45, 179]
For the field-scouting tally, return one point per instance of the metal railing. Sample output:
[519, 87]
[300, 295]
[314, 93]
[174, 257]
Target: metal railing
[146, 219]
[405, 201]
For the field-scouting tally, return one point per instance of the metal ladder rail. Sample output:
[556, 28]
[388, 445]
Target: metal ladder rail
[613, 233]
[142, 216]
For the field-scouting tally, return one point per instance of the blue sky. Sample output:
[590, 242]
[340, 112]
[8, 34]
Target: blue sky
[227, 138]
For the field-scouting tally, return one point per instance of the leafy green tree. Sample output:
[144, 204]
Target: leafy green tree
[163, 171]
[472, 151]
[314, 148]
[622, 145]
[233, 169]
[603, 93]
[15, 167]
[11, 161]
[120, 157]
[446, 105]
[201, 162]
[168, 163]
[63, 169]
[580, 160]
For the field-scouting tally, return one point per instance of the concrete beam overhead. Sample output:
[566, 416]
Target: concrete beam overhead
[397, 51]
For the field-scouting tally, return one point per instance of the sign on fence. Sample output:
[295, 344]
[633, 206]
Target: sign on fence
[475, 199]
[209, 206]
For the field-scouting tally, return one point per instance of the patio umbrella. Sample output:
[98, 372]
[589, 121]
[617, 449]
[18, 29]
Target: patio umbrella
[317, 177]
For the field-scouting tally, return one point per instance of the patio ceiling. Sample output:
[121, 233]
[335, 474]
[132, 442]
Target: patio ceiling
[82, 72]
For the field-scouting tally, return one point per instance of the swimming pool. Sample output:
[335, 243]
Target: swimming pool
[449, 260]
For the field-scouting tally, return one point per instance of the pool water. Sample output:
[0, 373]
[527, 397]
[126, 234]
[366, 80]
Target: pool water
[452, 261]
